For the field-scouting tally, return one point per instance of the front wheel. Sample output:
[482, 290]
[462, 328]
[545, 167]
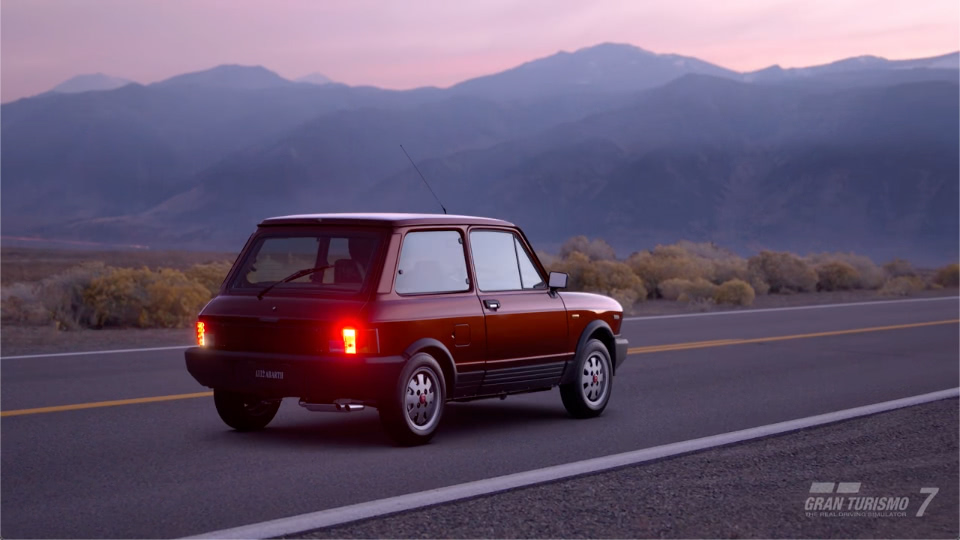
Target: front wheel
[244, 412]
[587, 395]
[412, 412]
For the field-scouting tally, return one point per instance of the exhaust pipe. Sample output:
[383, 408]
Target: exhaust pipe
[339, 406]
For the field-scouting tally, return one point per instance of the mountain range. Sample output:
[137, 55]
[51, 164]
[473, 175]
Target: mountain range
[612, 141]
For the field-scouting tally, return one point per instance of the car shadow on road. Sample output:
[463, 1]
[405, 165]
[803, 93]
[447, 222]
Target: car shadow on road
[486, 418]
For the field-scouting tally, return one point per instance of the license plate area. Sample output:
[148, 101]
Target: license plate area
[268, 373]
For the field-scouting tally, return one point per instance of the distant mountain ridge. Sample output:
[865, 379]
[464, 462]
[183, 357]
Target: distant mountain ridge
[90, 82]
[607, 67]
[611, 140]
[229, 76]
[315, 78]
[859, 63]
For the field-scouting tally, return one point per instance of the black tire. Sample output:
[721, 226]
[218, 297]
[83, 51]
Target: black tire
[411, 413]
[244, 412]
[588, 395]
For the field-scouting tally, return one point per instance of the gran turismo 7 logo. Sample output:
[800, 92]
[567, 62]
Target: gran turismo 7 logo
[843, 499]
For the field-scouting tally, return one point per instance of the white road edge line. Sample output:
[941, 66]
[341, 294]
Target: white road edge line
[83, 353]
[793, 308]
[731, 312]
[413, 501]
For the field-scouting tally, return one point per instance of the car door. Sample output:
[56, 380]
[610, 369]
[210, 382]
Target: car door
[526, 325]
[433, 299]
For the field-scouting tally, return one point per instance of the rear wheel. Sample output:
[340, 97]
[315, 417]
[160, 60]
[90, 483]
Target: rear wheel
[244, 412]
[587, 395]
[412, 412]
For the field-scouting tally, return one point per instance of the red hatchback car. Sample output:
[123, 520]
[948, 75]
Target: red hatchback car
[399, 312]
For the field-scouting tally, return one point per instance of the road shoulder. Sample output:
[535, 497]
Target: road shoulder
[753, 489]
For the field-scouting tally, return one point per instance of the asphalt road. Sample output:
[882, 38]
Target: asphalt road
[171, 468]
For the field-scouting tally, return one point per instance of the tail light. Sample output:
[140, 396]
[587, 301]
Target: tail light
[353, 340]
[350, 340]
[201, 334]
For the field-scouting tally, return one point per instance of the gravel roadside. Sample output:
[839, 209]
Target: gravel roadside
[749, 490]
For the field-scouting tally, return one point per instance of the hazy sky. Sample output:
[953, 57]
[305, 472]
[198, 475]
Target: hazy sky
[403, 44]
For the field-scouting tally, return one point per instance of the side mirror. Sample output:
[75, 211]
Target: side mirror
[557, 280]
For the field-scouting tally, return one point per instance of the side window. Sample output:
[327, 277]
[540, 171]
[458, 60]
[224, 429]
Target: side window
[432, 262]
[530, 277]
[502, 263]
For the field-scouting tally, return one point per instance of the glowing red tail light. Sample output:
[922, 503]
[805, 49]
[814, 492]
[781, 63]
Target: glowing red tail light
[350, 340]
[201, 334]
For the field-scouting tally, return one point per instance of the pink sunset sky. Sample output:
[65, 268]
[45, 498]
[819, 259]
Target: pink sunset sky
[440, 42]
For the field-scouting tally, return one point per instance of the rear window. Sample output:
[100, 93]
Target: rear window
[346, 261]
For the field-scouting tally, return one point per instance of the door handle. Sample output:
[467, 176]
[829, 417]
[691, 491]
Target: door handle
[492, 304]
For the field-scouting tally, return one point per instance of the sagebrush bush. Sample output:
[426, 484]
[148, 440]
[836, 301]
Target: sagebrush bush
[837, 276]
[173, 300]
[871, 275]
[902, 286]
[689, 261]
[596, 249]
[210, 275]
[612, 278]
[144, 298]
[666, 262]
[19, 304]
[734, 291]
[759, 286]
[948, 276]
[62, 295]
[685, 290]
[783, 272]
[898, 268]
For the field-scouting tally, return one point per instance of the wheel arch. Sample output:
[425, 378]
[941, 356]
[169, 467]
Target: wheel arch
[599, 330]
[441, 353]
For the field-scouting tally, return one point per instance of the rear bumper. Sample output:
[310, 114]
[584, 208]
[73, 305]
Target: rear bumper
[621, 345]
[321, 379]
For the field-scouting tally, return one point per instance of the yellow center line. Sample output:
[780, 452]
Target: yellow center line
[634, 350]
[98, 404]
[723, 342]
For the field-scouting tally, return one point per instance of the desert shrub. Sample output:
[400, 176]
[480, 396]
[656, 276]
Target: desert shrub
[210, 275]
[671, 289]
[700, 290]
[666, 262]
[548, 260]
[689, 261]
[902, 286]
[871, 275]
[837, 276]
[734, 291]
[143, 298]
[19, 304]
[173, 300]
[783, 272]
[612, 278]
[948, 276]
[596, 249]
[758, 285]
[685, 290]
[898, 268]
[62, 295]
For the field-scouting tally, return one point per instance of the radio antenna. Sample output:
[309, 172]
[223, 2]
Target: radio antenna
[422, 178]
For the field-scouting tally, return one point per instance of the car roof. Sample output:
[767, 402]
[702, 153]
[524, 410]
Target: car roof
[390, 220]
